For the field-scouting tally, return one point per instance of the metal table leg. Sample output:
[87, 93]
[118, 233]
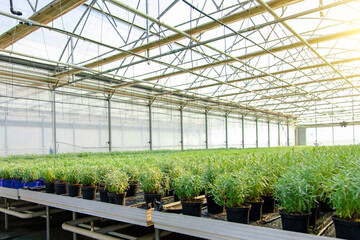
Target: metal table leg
[74, 218]
[7, 204]
[157, 234]
[47, 223]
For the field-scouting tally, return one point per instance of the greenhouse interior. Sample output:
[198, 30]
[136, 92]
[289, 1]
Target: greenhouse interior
[119, 118]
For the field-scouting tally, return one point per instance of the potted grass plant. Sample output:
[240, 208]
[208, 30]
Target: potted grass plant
[151, 180]
[132, 170]
[60, 184]
[255, 182]
[47, 173]
[271, 170]
[231, 189]
[345, 196]
[101, 172]
[209, 175]
[88, 178]
[171, 170]
[117, 182]
[296, 196]
[73, 181]
[187, 187]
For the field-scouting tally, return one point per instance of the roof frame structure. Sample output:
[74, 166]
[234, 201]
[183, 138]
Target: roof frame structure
[228, 71]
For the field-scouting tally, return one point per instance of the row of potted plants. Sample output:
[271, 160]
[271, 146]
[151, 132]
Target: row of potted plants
[233, 180]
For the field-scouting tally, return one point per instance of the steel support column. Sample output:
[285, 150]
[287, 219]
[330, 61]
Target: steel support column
[6, 136]
[257, 132]
[150, 127]
[279, 132]
[74, 136]
[226, 131]
[53, 115]
[243, 131]
[206, 130]
[269, 133]
[109, 124]
[181, 128]
[288, 134]
[42, 136]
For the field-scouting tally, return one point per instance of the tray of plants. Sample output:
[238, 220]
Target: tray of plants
[91, 192]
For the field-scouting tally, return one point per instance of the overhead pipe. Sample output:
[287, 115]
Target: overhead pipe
[27, 215]
[12, 9]
[87, 233]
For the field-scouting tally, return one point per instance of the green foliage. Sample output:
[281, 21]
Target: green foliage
[171, 171]
[300, 176]
[132, 170]
[100, 172]
[6, 173]
[188, 186]
[72, 175]
[30, 174]
[116, 182]
[48, 174]
[230, 188]
[18, 172]
[87, 176]
[295, 193]
[151, 180]
[255, 182]
[60, 174]
[345, 194]
[212, 169]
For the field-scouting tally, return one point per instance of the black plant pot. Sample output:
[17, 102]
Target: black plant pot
[238, 214]
[150, 198]
[324, 206]
[60, 188]
[176, 197]
[104, 195]
[295, 222]
[88, 193]
[111, 197]
[192, 208]
[49, 187]
[74, 190]
[269, 204]
[170, 192]
[313, 216]
[212, 206]
[256, 210]
[133, 188]
[346, 229]
[117, 198]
